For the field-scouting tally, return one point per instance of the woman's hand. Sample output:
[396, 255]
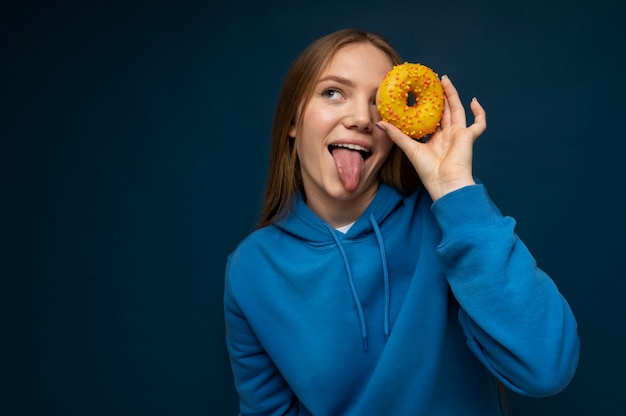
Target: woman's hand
[444, 162]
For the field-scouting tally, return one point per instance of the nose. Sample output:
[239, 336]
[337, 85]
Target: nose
[361, 115]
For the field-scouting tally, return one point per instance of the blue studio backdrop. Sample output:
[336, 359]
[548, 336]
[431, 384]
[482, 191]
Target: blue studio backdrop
[134, 152]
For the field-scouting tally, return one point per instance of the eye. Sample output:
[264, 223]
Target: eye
[331, 93]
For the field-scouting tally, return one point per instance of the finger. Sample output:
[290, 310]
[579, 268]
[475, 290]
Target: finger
[457, 112]
[480, 118]
[445, 116]
[404, 142]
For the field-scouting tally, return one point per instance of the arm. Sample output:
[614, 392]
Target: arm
[515, 320]
[261, 387]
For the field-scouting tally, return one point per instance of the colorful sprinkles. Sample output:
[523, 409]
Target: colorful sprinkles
[406, 81]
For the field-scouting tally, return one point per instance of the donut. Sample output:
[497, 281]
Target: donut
[411, 98]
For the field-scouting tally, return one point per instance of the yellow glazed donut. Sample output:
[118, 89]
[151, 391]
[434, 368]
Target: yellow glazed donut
[411, 82]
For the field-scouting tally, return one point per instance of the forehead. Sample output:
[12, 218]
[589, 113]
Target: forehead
[358, 60]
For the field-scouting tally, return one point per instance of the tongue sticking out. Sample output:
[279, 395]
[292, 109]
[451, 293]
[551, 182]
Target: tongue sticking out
[350, 165]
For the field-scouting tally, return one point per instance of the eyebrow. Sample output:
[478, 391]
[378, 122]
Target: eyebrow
[341, 80]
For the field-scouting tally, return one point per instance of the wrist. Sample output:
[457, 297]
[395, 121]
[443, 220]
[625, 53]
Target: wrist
[442, 188]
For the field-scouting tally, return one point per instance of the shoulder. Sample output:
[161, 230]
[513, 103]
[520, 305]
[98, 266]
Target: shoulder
[248, 259]
[254, 242]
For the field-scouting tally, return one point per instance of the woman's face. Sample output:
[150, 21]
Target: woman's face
[339, 148]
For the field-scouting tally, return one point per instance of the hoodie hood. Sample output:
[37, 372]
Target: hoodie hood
[307, 226]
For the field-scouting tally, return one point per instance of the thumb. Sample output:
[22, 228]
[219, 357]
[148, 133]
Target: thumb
[403, 141]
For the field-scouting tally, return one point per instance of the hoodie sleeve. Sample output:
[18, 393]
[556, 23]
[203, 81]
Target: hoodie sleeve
[515, 320]
[261, 387]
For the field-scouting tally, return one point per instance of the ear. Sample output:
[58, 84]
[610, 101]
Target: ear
[293, 128]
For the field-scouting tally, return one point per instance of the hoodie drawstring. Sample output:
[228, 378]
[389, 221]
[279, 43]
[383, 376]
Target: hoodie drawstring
[355, 296]
[383, 259]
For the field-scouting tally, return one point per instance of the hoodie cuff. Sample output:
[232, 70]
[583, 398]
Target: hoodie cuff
[466, 209]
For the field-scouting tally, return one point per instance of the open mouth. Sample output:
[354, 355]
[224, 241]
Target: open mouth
[365, 153]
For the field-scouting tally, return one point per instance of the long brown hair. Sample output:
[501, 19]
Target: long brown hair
[284, 179]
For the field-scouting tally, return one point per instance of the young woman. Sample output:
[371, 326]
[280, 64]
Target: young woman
[382, 280]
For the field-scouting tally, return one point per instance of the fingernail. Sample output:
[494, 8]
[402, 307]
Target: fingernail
[380, 126]
[444, 76]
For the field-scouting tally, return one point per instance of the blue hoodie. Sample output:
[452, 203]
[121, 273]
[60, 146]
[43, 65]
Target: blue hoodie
[419, 309]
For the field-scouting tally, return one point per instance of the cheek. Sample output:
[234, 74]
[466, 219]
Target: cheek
[313, 130]
[385, 146]
[319, 118]
[307, 149]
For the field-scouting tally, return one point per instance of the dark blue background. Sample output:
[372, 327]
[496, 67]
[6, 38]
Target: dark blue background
[134, 151]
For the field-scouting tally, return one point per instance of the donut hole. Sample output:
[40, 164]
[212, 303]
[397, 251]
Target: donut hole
[411, 100]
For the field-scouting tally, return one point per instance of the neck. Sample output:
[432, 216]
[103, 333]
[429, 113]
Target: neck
[341, 211]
